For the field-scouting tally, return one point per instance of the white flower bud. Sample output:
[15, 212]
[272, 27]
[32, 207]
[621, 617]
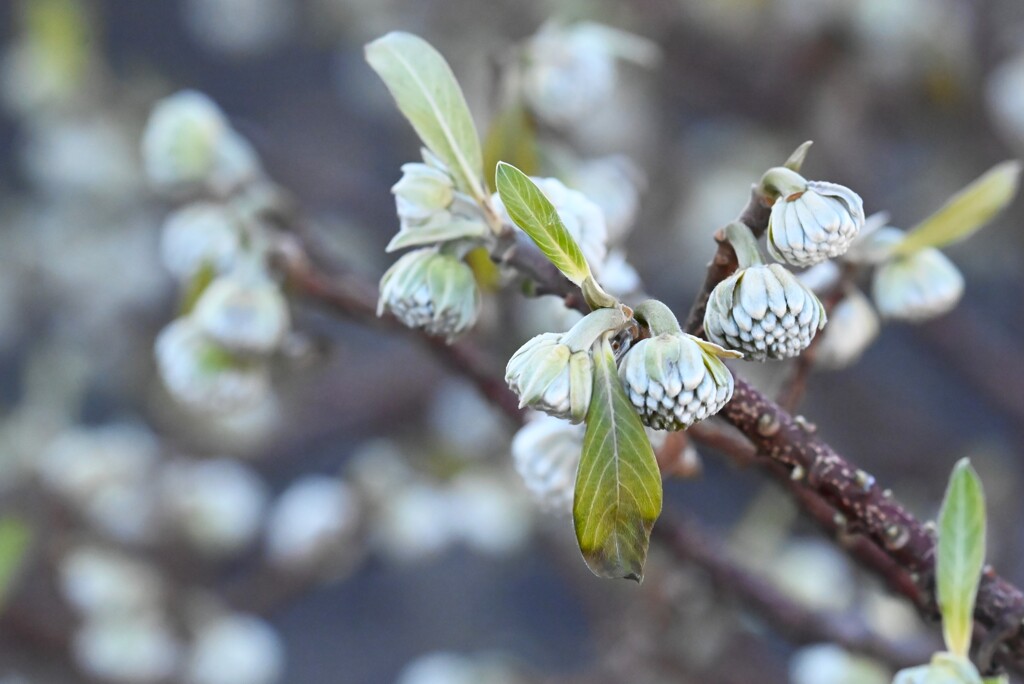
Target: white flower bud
[675, 380]
[431, 290]
[236, 649]
[614, 183]
[422, 191]
[314, 518]
[582, 218]
[851, 328]
[830, 663]
[918, 286]
[217, 505]
[198, 235]
[546, 453]
[487, 515]
[243, 312]
[765, 312]
[204, 375]
[188, 143]
[95, 581]
[133, 649]
[414, 522]
[552, 378]
[818, 223]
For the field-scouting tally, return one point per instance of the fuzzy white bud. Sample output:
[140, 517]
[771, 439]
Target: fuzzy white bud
[918, 286]
[244, 312]
[765, 312]
[818, 223]
[546, 453]
[204, 234]
[550, 377]
[431, 290]
[852, 327]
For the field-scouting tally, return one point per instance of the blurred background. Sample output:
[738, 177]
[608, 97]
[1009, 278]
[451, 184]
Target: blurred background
[358, 519]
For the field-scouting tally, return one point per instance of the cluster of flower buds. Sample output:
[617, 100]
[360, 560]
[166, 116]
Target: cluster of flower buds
[761, 310]
[432, 288]
[235, 317]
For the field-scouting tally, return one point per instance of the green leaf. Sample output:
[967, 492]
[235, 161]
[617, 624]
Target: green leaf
[427, 93]
[532, 211]
[14, 539]
[441, 229]
[618, 485]
[960, 555]
[966, 211]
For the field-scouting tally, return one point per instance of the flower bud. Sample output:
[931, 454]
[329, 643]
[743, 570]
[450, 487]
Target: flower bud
[199, 235]
[851, 328]
[546, 453]
[582, 218]
[675, 380]
[554, 372]
[815, 223]
[918, 286]
[188, 143]
[550, 377]
[244, 312]
[765, 312]
[235, 649]
[431, 290]
[422, 191]
[204, 375]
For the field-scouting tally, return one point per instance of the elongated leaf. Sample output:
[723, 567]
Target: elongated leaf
[531, 210]
[961, 554]
[618, 485]
[427, 93]
[966, 211]
[14, 538]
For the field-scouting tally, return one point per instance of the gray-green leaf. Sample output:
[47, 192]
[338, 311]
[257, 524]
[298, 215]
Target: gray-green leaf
[532, 211]
[966, 211]
[618, 485]
[442, 230]
[429, 96]
[960, 555]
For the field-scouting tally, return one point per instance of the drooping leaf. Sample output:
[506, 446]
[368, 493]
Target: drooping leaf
[960, 555]
[532, 211]
[618, 485]
[512, 137]
[14, 539]
[966, 211]
[429, 96]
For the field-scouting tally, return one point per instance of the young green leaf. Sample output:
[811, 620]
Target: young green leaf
[618, 485]
[427, 93]
[960, 555]
[532, 211]
[14, 538]
[966, 211]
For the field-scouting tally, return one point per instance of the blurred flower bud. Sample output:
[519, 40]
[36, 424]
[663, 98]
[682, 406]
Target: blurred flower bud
[202, 374]
[313, 519]
[423, 191]
[546, 453]
[439, 668]
[571, 70]
[431, 290]
[851, 328]
[821, 278]
[199, 235]
[830, 663]
[581, 217]
[217, 505]
[189, 144]
[96, 581]
[236, 649]
[675, 380]
[244, 312]
[414, 522]
[614, 183]
[487, 515]
[129, 649]
[918, 286]
[765, 312]
[814, 574]
[811, 221]
[1005, 94]
[618, 276]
